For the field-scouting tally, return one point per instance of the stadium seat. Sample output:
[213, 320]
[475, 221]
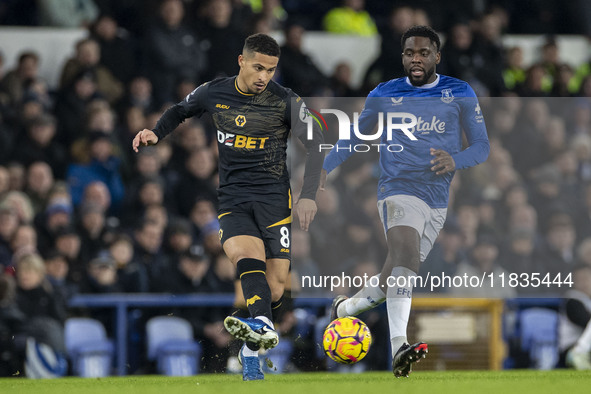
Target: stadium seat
[171, 345]
[88, 347]
[538, 330]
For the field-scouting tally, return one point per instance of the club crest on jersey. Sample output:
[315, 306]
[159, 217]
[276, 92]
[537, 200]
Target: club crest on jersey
[240, 120]
[447, 96]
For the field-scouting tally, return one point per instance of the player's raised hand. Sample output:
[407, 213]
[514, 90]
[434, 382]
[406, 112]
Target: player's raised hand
[306, 210]
[443, 162]
[144, 138]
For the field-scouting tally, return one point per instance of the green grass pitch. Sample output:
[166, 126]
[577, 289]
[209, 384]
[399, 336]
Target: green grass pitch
[482, 382]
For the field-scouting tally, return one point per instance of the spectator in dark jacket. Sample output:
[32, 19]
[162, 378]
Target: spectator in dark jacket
[172, 52]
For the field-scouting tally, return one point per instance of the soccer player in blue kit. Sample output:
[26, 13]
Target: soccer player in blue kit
[413, 188]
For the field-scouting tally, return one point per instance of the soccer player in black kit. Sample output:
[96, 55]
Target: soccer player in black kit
[253, 117]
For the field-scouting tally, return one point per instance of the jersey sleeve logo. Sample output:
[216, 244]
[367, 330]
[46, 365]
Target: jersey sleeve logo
[479, 118]
[240, 120]
[447, 96]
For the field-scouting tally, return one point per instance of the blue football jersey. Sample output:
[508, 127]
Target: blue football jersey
[413, 120]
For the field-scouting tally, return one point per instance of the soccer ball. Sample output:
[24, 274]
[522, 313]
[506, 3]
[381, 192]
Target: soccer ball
[346, 340]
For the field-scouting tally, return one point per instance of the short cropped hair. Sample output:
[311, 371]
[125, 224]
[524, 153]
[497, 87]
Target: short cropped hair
[263, 44]
[422, 31]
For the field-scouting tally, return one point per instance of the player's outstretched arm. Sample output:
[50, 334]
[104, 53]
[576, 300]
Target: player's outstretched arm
[306, 210]
[144, 138]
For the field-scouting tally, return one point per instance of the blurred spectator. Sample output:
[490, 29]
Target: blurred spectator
[468, 221]
[16, 82]
[57, 268]
[147, 166]
[271, 11]
[536, 83]
[101, 278]
[557, 255]
[67, 242]
[351, 18]
[298, 71]
[550, 61]
[184, 88]
[202, 214]
[40, 144]
[531, 127]
[179, 238]
[88, 59]
[67, 13]
[189, 138]
[4, 181]
[35, 296]
[224, 274]
[40, 181]
[97, 193]
[388, 65]
[103, 167]
[158, 214]
[9, 223]
[148, 237]
[554, 139]
[57, 214]
[24, 240]
[514, 72]
[149, 192]
[7, 138]
[139, 94]
[196, 181]
[340, 81]
[517, 256]
[12, 322]
[221, 40]
[560, 88]
[549, 193]
[484, 260]
[132, 277]
[584, 252]
[489, 47]
[172, 52]
[101, 275]
[44, 309]
[72, 104]
[92, 228]
[21, 204]
[117, 47]
[458, 54]
[211, 238]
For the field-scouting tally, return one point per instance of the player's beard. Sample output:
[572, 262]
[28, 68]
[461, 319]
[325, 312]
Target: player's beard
[420, 81]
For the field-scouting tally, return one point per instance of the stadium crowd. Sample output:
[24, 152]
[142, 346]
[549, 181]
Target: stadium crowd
[81, 213]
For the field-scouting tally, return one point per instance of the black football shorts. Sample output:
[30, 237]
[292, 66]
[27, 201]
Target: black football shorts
[269, 222]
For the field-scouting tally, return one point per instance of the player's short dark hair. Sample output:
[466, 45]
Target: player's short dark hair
[422, 31]
[263, 44]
